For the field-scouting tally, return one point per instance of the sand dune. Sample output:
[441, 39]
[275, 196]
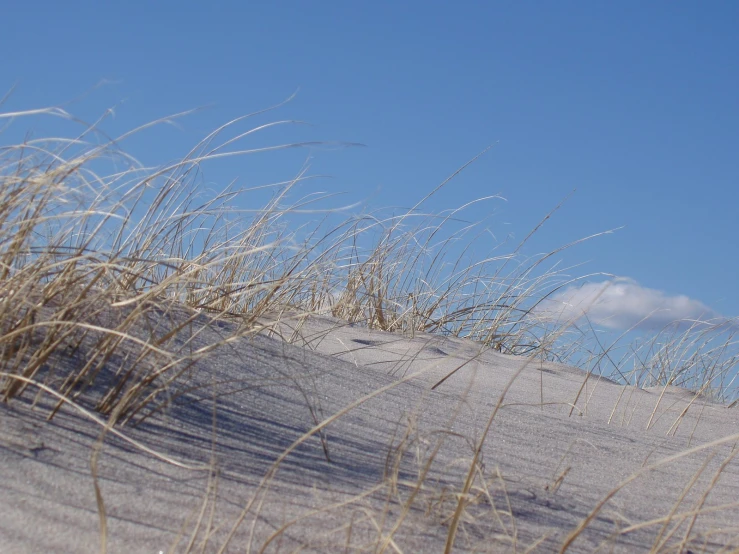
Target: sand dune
[385, 475]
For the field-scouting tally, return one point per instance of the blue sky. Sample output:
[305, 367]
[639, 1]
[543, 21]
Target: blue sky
[634, 104]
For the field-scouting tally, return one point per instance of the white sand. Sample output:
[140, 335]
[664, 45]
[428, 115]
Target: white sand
[559, 444]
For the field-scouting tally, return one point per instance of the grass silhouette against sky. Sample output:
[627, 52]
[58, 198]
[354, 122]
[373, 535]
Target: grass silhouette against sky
[631, 105]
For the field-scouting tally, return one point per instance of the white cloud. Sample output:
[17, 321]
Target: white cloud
[622, 303]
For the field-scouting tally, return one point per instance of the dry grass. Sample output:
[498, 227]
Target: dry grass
[92, 260]
[86, 254]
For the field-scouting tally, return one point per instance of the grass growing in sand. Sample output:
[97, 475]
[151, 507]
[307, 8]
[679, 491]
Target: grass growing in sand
[91, 259]
[77, 245]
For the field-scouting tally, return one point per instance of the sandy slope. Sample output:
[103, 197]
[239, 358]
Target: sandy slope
[559, 444]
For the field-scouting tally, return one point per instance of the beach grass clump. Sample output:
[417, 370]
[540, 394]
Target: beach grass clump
[92, 244]
[88, 256]
[699, 356]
